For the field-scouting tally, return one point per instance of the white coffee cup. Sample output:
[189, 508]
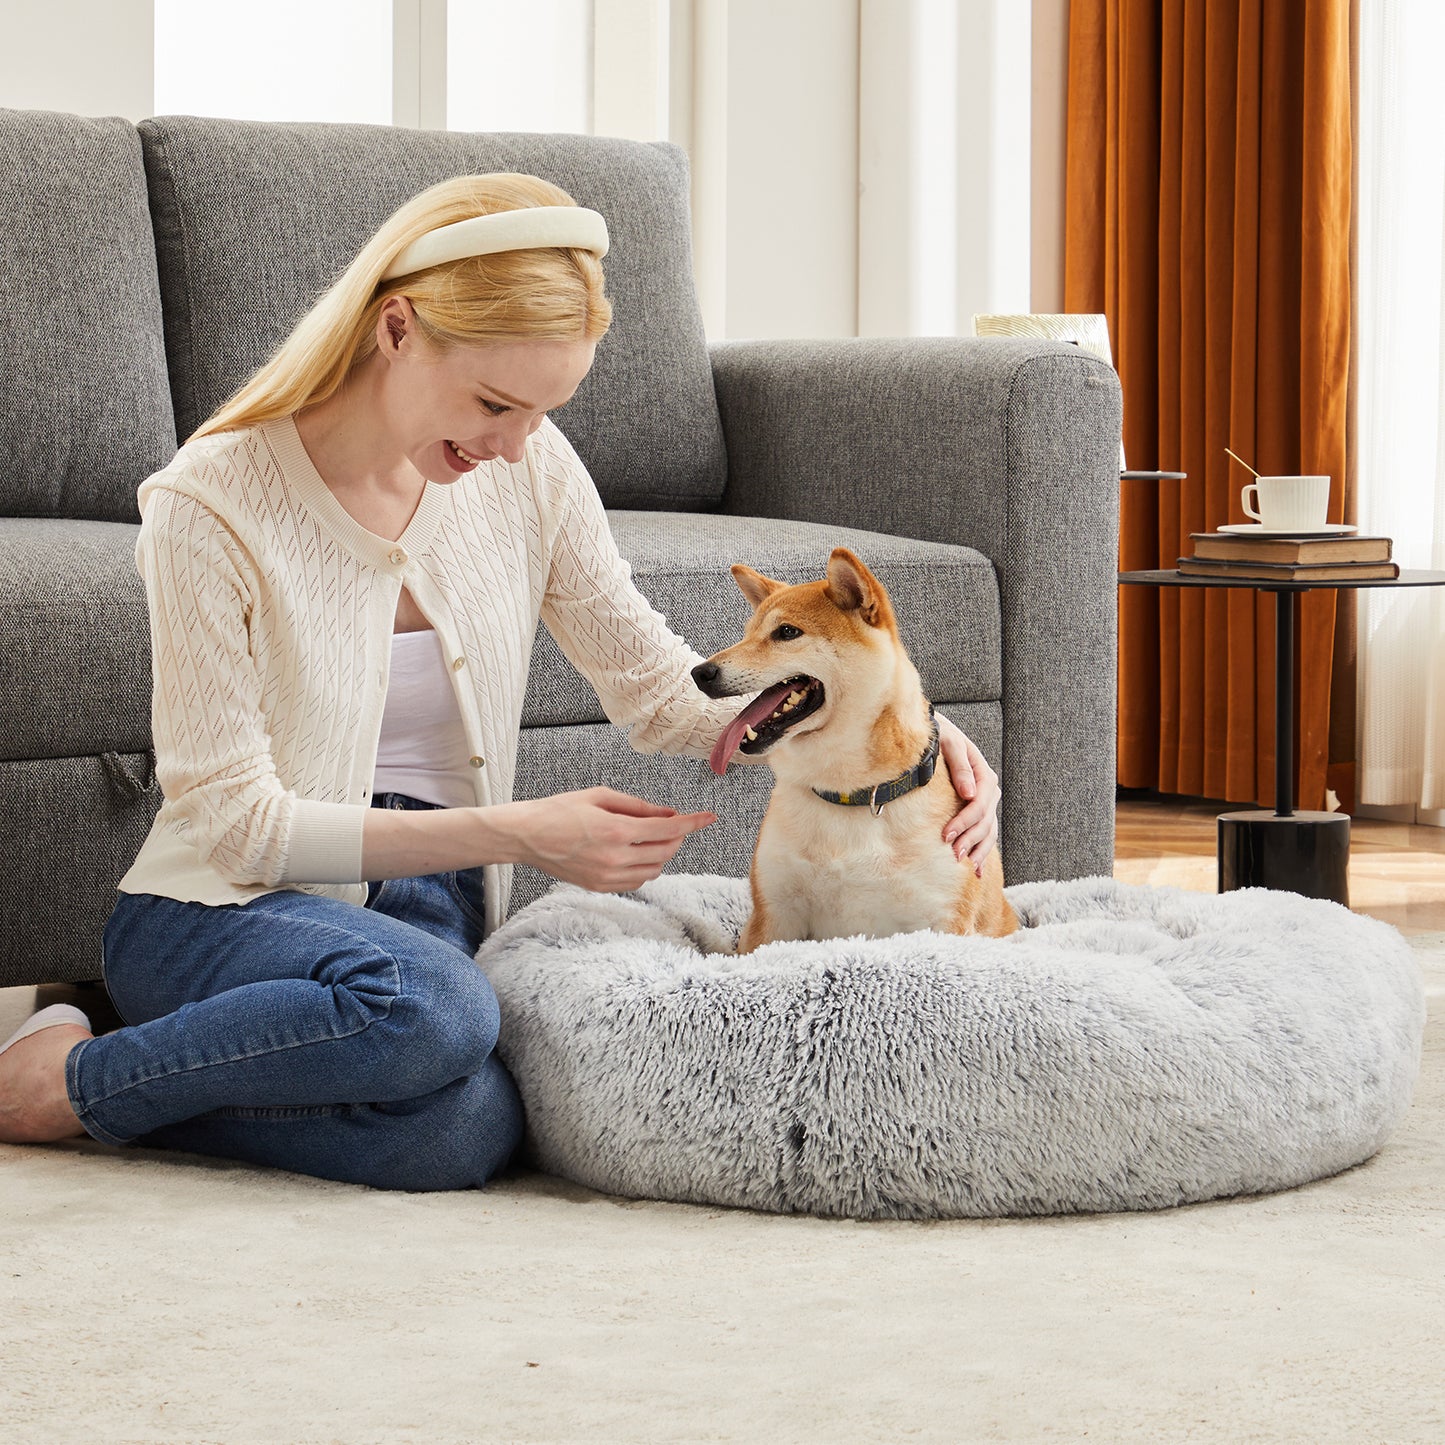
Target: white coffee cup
[1288, 504]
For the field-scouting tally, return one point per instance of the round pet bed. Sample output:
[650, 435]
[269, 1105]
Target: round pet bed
[1128, 1048]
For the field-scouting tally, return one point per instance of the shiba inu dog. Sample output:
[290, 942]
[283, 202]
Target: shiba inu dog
[853, 838]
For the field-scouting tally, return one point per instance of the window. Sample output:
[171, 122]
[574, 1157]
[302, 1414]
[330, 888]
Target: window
[275, 59]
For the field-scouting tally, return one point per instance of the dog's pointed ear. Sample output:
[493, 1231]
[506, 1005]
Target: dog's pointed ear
[754, 586]
[853, 588]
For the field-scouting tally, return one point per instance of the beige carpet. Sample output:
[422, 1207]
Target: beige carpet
[156, 1298]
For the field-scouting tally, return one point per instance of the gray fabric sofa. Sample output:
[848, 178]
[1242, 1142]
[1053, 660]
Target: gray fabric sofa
[148, 269]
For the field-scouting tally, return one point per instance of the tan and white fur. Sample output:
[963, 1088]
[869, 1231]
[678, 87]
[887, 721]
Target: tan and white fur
[855, 715]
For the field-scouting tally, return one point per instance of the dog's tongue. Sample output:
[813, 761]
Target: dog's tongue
[761, 707]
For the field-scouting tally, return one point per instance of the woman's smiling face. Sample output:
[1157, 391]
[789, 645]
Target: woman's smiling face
[451, 409]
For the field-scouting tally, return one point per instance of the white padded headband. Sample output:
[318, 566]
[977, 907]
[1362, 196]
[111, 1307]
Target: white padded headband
[526, 229]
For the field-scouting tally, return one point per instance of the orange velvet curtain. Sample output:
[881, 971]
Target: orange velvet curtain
[1209, 217]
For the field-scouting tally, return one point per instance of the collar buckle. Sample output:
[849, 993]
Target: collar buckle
[917, 776]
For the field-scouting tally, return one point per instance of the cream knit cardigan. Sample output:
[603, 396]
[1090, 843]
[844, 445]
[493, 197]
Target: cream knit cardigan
[271, 613]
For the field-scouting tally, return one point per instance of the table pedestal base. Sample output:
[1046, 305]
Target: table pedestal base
[1306, 853]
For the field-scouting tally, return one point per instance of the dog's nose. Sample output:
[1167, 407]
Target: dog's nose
[705, 675]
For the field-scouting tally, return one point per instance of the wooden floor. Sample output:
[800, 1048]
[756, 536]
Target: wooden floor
[1397, 870]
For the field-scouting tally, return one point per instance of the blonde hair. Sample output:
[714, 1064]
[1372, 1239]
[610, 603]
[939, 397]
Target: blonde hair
[548, 293]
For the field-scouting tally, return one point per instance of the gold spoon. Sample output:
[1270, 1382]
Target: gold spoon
[1243, 463]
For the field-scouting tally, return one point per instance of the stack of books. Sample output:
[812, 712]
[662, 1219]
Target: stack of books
[1278, 557]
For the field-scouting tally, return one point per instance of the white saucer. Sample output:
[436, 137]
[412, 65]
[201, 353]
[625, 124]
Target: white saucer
[1330, 529]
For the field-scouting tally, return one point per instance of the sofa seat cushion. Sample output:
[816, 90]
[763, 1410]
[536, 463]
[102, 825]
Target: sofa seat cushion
[254, 220]
[1127, 1048]
[73, 618]
[75, 638]
[945, 596]
[85, 405]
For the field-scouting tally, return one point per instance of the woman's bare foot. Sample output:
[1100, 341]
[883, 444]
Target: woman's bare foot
[34, 1105]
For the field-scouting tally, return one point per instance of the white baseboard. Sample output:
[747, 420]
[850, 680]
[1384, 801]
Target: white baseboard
[1402, 813]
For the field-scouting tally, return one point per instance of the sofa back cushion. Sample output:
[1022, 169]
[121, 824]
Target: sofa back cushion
[254, 221]
[85, 409]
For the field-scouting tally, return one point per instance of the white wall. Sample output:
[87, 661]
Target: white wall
[791, 99]
[631, 68]
[859, 169]
[944, 195]
[513, 66]
[90, 57]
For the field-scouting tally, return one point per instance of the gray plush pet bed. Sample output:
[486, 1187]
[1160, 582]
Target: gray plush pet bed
[1128, 1048]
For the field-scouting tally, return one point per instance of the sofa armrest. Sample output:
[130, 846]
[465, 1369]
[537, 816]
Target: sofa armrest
[1008, 447]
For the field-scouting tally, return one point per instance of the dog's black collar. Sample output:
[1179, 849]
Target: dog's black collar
[875, 795]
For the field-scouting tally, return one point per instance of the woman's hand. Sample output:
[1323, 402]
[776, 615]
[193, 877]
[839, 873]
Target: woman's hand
[973, 831]
[599, 839]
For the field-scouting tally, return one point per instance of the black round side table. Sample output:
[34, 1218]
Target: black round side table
[1306, 852]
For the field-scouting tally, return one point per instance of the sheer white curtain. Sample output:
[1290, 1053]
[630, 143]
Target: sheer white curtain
[1401, 421]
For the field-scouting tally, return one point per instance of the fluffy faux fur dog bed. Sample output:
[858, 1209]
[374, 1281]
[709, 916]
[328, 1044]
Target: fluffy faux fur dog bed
[1128, 1048]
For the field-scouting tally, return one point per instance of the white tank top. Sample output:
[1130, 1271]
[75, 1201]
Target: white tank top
[423, 750]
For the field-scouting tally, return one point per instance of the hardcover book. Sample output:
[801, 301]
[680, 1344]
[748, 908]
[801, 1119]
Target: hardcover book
[1229, 545]
[1289, 571]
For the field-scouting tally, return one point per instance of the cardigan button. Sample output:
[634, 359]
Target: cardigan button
[476, 762]
[458, 663]
[398, 556]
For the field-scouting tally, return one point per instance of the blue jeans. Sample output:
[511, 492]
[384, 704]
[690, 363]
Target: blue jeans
[350, 1043]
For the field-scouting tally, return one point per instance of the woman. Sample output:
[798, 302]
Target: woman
[345, 568]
